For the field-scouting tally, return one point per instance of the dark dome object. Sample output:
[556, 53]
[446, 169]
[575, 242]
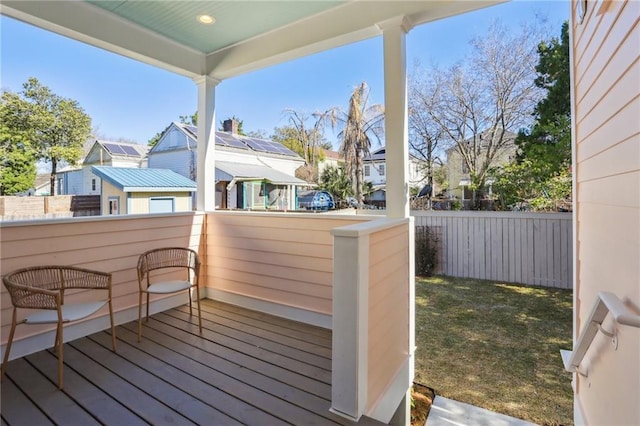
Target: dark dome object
[425, 191]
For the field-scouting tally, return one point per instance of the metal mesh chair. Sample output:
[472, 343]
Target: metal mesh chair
[168, 258]
[43, 288]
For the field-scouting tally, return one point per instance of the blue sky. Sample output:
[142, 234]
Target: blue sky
[134, 101]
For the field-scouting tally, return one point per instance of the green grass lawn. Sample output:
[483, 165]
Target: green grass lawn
[496, 346]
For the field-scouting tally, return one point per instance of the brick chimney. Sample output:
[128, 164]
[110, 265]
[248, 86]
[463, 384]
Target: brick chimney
[230, 126]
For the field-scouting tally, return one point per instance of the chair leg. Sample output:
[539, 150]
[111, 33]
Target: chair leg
[147, 320]
[113, 328]
[9, 342]
[190, 304]
[55, 342]
[139, 316]
[60, 344]
[199, 310]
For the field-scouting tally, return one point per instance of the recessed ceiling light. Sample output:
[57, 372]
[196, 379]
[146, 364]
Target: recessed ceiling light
[206, 19]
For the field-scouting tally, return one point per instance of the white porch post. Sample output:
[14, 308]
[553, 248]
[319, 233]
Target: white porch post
[206, 174]
[395, 103]
[397, 158]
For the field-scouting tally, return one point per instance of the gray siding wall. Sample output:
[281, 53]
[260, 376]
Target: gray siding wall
[181, 162]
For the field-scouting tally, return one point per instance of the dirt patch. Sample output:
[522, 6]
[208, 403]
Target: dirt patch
[421, 399]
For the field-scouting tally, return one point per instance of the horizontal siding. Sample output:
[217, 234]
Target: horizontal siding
[388, 308]
[606, 70]
[526, 248]
[106, 244]
[180, 162]
[286, 259]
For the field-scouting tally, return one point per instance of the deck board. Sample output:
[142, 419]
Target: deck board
[86, 394]
[247, 368]
[17, 408]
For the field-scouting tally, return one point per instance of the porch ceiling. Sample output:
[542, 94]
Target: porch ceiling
[246, 35]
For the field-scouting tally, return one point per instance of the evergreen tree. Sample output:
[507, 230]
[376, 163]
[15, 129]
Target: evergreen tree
[548, 142]
[17, 156]
[541, 176]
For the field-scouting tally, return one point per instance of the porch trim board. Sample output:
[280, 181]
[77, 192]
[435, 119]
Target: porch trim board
[350, 316]
[38, 342]
[266, 306]
[352, 285]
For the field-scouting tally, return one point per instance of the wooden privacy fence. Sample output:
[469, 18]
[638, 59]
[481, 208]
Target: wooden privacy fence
[527, 248]
[24, 208]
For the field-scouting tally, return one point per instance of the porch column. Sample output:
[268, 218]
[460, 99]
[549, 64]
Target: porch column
[206, 173]
[395, 104]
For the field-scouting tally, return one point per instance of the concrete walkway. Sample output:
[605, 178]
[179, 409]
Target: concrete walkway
[447, 412]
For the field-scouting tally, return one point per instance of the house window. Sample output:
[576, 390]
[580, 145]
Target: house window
[93, 184]
[381, 169]
[367, 170]
[114, 205]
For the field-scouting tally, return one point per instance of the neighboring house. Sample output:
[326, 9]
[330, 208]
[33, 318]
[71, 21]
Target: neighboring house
[127, 190]
[41, 186]
[251, 173]
[80, 180]
[375, 171]
[458, 172]
[331, 159]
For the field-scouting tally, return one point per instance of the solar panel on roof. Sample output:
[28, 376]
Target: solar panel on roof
[228, 140]
[256, 144]
[129, 150]
[268, 146]
[114, 148]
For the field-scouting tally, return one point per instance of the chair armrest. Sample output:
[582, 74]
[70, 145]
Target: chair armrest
[23, 296]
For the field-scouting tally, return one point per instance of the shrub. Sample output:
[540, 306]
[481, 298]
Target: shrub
[426, 251]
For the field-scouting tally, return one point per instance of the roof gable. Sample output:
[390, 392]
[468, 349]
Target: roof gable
[380, 154]
[105, 151]
[182, 136]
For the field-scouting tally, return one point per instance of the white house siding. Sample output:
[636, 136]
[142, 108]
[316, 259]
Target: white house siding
[172, 140]
[287, 166]
[606, 101]
[328, 162]
[374, 175]
[87, 182]
[416, 176]
[182, 162]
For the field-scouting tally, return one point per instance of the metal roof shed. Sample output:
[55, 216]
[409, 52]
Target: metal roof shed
[138, 191]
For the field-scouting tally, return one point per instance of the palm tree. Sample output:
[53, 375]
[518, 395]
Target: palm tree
[358, 126]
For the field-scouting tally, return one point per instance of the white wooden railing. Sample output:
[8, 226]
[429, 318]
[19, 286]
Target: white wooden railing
[605, 303]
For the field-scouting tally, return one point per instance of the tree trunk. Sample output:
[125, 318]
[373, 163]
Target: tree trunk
[359, 178]
[52, 179]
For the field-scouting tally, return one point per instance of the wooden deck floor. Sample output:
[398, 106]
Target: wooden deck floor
[247, 368]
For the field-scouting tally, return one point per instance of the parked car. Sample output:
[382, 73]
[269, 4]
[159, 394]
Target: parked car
[316, 200]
